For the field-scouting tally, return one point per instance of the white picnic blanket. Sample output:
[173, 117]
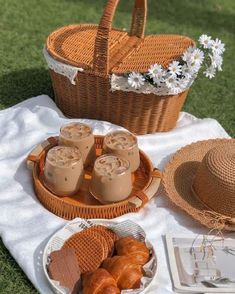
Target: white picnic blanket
[25, 225]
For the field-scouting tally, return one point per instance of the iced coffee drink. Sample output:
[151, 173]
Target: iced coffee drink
[111, 179]
[63, 171]
[79, 135]
[123, 144]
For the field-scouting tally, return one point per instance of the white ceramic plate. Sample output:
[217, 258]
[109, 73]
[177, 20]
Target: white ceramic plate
[122, 229]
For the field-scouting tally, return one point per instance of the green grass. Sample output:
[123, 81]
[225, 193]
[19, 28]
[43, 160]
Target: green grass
[25, 24]
[12, 279]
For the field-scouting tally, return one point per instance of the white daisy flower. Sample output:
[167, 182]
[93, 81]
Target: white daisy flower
[187, 56]
[171, 82]
[184, 83]
[197, 56]
[217, 46]
[216, 61]
[136, 80]
[193, 67]
[205, 41]
[210, 72]
[155, 71]
[186, 71]
[175, 68]
[158, 80]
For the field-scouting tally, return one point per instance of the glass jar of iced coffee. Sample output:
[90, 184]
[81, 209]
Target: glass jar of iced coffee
[63, 171]
[123, 144]
[79, 135]
[111, 179]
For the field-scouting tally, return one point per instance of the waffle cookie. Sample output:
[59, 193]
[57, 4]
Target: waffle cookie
[102, 239]
[88, 249]
[109, 236]
[92, 246]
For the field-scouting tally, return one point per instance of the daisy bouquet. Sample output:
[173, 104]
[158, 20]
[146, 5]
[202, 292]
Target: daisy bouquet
[180, 73]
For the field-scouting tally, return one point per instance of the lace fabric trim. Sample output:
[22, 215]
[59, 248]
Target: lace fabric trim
[118, 83]
[66, 70]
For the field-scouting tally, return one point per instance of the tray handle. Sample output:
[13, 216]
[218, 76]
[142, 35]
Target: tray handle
[35, 154]
[142, 197]
[101, 51]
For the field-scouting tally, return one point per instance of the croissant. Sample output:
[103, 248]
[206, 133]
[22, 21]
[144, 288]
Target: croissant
[125, 271]
[136, 249]
[99, 282]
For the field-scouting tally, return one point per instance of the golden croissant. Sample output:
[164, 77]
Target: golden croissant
[136, 249]
[125, 271]
[99, 282]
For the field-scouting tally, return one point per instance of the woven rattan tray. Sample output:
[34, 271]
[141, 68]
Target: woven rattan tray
[146, 181]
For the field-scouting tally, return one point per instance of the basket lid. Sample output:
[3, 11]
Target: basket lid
[161, 49]
[104, 50]
[75, 45]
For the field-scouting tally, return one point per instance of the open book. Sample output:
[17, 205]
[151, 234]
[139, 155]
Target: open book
[201, 264]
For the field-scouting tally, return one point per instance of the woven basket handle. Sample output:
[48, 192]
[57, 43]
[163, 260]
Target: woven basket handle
[101, 52]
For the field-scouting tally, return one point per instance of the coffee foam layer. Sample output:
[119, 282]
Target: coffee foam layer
[63, 156]
[120, 140]
[75, 131]
[110, 165]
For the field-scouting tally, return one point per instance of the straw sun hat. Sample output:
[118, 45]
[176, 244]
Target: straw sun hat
[200, 179]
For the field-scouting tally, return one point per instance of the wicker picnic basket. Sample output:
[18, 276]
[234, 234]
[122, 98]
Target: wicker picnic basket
[99, 51]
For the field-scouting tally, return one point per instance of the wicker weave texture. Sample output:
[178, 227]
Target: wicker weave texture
[67, 44]
[126, 53]
[100, 51]
[205, 200]
[83, 204]
[139, 113]
[214, 182]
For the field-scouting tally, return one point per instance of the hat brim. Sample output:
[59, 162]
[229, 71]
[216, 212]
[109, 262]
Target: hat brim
[178, 178]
